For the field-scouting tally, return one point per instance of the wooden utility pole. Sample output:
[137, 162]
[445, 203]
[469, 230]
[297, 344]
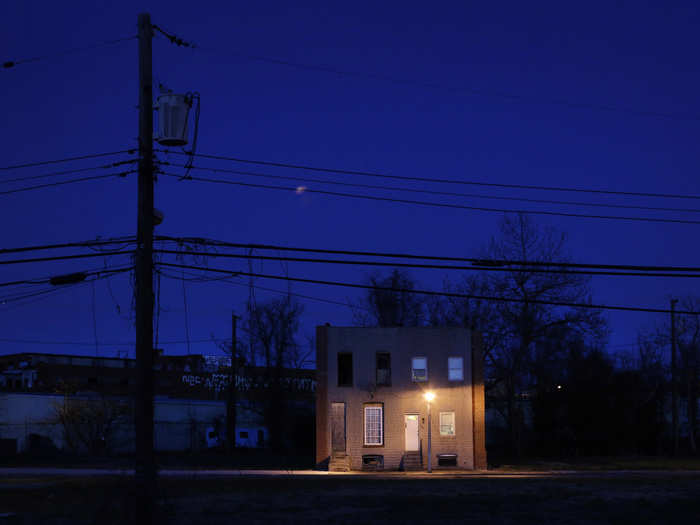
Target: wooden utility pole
[143, 405]
[674, 379]
[232, 393]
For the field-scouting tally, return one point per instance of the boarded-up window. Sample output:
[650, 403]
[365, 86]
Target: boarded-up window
[345, 369]
[384, 369]
[374, 424]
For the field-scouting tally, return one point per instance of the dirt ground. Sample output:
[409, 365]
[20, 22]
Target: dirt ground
[620, 498]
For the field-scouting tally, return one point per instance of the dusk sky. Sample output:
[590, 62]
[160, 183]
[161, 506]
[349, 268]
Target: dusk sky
[587, 95]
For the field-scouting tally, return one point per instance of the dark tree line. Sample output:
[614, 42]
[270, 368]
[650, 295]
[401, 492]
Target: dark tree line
[549, 379]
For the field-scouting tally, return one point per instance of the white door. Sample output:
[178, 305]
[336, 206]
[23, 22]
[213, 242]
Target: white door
[411, 424]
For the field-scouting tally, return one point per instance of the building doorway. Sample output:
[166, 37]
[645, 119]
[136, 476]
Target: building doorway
[338, 428]
[411, 426]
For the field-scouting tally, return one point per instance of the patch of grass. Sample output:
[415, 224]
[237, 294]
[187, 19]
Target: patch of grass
[340, 499]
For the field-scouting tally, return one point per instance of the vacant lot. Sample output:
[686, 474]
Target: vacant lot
[620, 498]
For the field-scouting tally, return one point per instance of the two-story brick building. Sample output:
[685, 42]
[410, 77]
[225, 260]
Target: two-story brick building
[371, 403]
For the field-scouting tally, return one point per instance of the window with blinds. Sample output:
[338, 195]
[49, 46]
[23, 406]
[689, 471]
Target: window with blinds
[447, 423]
[455, 369]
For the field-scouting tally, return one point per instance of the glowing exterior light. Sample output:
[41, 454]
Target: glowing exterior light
[429, 396]
[300, 190]
[558, 387]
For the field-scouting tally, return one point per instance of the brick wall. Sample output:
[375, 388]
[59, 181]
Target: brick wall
[404, 396]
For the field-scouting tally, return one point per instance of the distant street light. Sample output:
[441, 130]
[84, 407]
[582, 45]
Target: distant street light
[429, 396]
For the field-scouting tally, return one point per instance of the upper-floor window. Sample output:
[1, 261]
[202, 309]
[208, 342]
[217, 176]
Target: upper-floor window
[455, 368]
[419, 369]
[383, 368]
[345, 369]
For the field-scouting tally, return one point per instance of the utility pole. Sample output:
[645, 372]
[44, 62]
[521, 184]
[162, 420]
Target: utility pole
[430, 451]
[232, 393]
[674, 382]
[143, 405]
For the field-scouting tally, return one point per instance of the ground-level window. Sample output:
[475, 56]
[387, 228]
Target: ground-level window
[455, 368]
[447, 423]
[419, 369]
[374, 424]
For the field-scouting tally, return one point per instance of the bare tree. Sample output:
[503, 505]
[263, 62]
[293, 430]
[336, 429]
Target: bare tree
[272, 333]
[688, 341]
[90, 425]
[518, 334]
[390, 302]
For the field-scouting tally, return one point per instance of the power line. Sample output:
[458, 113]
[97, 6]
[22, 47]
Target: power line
[282, 292]
[67, 159]
[427, 266]
[46, 280]
[12, 63]
[71, 181]
[435, 293]
[510, 96]
[68, 172]
[20, 296]
[433, 192]
[63, 257]
[439, 180]
[91, 243]
[479, 261]
[85, 343]
[437, 204]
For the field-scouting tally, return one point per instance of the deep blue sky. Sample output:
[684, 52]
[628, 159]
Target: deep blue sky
[636, 55]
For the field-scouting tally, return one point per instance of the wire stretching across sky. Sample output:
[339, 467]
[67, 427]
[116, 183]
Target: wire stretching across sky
[340, 72]
[393, 264]
[307, 179]
[49, 56]
[435, 204]
[126, 240]
[38, 294]
[480, 261]
[309, 167]
[121, 174]
[434, 292]
[67, 172]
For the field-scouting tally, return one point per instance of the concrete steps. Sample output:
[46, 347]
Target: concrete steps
[412, 461]
[339, 463]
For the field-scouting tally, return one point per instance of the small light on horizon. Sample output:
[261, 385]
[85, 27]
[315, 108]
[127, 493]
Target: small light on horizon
[429, 396]
[558, 387]
[300, 190]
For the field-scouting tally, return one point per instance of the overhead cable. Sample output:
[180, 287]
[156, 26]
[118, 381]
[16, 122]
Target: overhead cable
[90, 243]
[475, 260]
[437, 204]
[47, 280]
[552, 270]
[68, 172]
[12, 63]
[65, 257]
[482, 92]
[438, 180]
[68, 159]
[435, 293]
[71, 181]
[432, 192]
